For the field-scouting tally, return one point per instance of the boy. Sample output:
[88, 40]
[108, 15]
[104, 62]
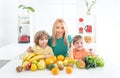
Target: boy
[77, 52]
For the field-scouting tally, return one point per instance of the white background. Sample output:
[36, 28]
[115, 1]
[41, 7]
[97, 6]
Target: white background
[107, 21]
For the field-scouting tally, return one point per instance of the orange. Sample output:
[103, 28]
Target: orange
[69, 69]
[60, 57]
[54, 58]
[87, 39]
[67, 58]
[48, 61]
[55, 71]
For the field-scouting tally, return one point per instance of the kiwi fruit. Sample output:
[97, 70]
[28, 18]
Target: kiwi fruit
[69, 64]
[19, 68]
[61, 67]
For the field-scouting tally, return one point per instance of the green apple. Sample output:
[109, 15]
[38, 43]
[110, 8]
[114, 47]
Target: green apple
[59, 63]
[34, 62]
[65, 62]
[72, 61]
[24, 64]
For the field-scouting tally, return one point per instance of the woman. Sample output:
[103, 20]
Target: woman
[60, 41]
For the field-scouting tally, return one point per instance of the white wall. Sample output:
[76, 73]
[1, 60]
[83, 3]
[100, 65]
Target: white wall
[8, 22]
[0, 23]
[108, 28]
[107, 20]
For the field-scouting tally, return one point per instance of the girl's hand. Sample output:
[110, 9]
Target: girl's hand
[29, 49]
[47, 56]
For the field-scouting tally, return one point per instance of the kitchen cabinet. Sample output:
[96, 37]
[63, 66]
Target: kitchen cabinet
[87, 28]
[23, 29]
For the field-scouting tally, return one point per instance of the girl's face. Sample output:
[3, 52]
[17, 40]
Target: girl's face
[79, 44]
[43, 42]
[59, 30]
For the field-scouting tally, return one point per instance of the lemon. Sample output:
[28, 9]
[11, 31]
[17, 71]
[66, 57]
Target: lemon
[33, 67]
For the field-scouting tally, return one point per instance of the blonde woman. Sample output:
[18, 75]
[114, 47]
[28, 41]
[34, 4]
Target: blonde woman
[60, 41]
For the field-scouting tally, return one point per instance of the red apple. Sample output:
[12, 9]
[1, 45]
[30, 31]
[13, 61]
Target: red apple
[81, 19]
[27, 65]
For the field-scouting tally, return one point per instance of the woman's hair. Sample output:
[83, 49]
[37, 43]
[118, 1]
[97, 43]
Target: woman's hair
[40, 35]
[60, 20]
[76, 38]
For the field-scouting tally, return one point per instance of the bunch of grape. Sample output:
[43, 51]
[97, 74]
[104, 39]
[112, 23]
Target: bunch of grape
[93, 61]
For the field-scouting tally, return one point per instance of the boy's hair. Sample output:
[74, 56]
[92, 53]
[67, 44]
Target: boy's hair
[40, 35]
[76, 38]
[60, 20]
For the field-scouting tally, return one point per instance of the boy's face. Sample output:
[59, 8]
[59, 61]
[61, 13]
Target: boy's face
[59, 30]
[79, 44]
[43, 42]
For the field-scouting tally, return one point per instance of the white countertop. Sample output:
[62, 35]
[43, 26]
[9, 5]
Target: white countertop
[108, 71]
[13, 50]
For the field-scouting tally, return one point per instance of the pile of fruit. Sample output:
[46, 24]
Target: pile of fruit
[34, 62]
[55, 64]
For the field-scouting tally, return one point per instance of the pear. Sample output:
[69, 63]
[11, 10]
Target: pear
[41, 65]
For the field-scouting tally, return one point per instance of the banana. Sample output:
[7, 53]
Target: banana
[25, 56]
[37, 57]
[30, 56]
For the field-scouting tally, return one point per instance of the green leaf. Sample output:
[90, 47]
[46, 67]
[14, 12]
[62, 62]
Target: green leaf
[21, 6]
[86, 3]
[30, 9]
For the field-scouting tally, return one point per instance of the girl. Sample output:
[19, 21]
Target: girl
[41, 47]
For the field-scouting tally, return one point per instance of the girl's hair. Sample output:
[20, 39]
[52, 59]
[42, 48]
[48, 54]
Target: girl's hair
[40, 35]
[76, 38]
[59, 20]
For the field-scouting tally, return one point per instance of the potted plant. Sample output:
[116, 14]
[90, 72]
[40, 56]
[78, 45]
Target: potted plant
[89, 5]
[27, 8]
[25, 23]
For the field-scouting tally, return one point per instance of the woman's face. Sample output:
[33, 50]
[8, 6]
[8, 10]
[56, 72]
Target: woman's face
[59, 30]
[79, 44]
[43, 42]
